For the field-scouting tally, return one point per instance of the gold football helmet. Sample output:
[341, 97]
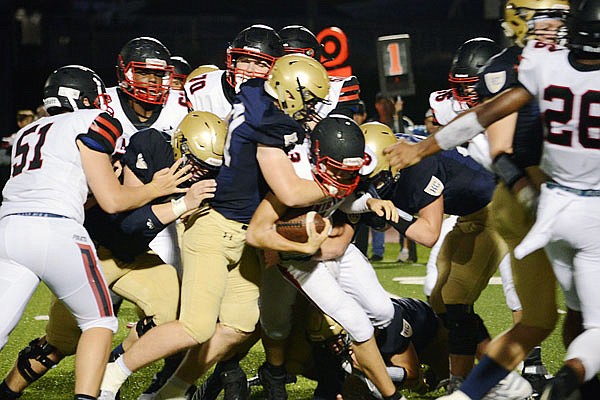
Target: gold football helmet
[298, 82]
[520, 16]
[199, 140]
[201, 70]
[378, 136]
[322, 329]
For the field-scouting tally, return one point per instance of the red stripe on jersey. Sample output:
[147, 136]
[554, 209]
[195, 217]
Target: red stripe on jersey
[96, 281]
[106, 123]
[102, 131]
[350, 88]
[348, 97]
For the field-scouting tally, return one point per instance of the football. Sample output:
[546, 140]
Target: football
[294, 226]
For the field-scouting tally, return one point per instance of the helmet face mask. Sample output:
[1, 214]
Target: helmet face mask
[199, 140]
[143, 70]
[74, 87]
[259, 43]
[521, 19]
[299, 83]
[337, 155]
[468, 59]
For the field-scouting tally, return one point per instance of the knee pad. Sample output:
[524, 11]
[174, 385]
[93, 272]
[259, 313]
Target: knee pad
[38, 350]
[144, 325]
[462, 325]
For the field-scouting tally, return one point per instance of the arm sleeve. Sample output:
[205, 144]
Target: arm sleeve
[142, 221]
[102, 134]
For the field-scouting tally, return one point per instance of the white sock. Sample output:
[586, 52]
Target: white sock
[114, 376]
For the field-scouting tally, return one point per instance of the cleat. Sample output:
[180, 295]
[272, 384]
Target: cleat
[451, 384]
[564, 386]
[513, 387]
[209, 390]
[273, 385]
[235, 384]
[106, 395]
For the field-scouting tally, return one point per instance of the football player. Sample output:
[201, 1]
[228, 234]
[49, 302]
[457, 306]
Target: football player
[122, 242]
[214, 287]
[453, 183]
[338, 279]
[250, 55]
[181, 70]
[446, 105]
[416, 336]
[344, 91]
[547, 72]
[54, 212]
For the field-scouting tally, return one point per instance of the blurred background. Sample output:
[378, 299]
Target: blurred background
[40, 35]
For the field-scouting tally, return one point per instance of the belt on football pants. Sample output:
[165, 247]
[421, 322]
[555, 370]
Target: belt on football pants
[578, 192]
[38, 214]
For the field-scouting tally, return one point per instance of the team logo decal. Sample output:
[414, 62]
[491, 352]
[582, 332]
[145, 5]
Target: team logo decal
[140, 163]
[435, 187]
[407, 330]
[495, 81]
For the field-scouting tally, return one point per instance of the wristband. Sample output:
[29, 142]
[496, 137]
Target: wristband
[178, 206]
[507, 169]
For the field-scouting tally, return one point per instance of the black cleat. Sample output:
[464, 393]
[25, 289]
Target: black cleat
[273, 384]
[235, 384]
[209, 390]
[564, 386]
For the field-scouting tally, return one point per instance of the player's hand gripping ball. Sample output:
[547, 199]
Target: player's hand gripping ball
[294, 226]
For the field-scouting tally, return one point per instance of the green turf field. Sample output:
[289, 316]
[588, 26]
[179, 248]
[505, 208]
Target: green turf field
[58, 383]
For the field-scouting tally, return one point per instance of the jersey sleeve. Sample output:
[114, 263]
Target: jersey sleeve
[349, 98]
[419, 185]
[499, 73]
[532, 56]
[270, 126]
[148, 151]
[102, 133]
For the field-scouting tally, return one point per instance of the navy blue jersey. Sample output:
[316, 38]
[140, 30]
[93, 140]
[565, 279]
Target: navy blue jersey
[255, 121]
[500, 73]
[148, 151]
[465, 184]
[128, 234]
[414, 321]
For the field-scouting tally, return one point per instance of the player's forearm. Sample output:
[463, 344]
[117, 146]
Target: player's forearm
[269, 239]
[423, 232]
[299, 193]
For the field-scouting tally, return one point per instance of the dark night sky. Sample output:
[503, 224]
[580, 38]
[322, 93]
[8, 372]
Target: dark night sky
[91, 32]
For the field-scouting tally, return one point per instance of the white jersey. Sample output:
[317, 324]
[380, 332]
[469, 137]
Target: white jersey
[169, 118]
[445, 107]
[568, 102]
[205, 93]
[340, 89]
[47, 175]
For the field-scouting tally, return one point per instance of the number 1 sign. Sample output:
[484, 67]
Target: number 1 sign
[394, 64]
